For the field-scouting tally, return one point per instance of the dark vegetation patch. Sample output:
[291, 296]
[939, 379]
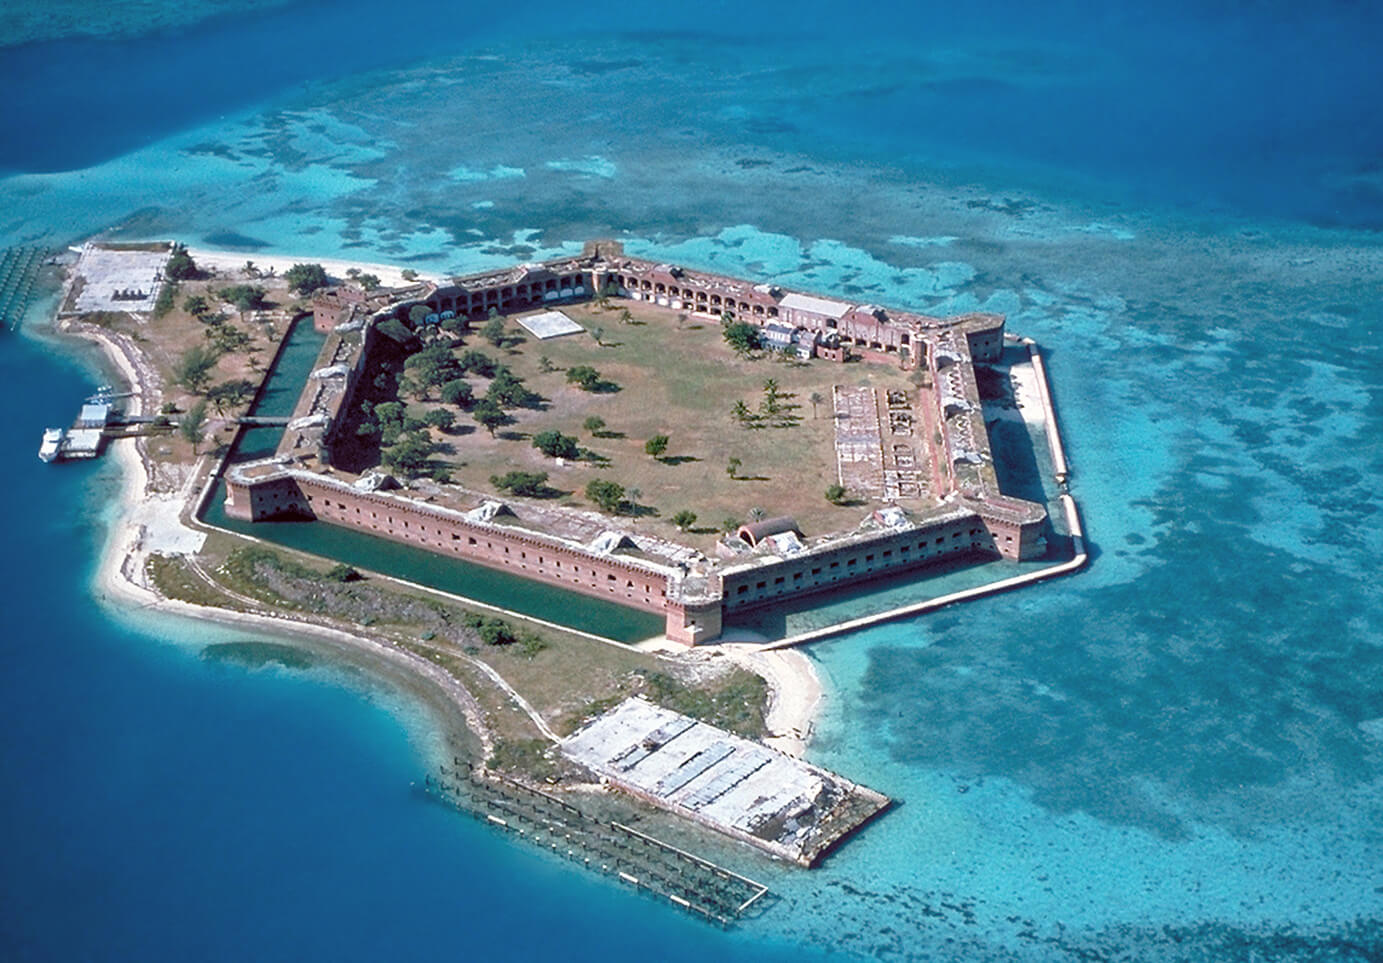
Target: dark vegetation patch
[257, 655]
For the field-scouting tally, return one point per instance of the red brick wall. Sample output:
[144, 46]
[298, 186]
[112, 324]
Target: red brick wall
[414, 524]
[889, 553]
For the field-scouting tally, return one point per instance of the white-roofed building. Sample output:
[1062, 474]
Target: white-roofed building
[808, 310]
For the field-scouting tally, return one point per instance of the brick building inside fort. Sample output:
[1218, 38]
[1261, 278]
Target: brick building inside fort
[964, 510]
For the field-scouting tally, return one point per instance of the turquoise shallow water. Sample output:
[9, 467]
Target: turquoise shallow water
[1174, 755]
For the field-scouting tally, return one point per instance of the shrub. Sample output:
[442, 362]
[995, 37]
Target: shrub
[167, 295]
[529, 483]
[584, 377]
[343, 573]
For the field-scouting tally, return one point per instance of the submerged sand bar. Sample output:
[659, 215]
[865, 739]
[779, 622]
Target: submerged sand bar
[789, 807]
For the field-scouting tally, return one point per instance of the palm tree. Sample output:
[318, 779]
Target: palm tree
[815, 399]
[740, 412]
[757, 514]
[598, 333]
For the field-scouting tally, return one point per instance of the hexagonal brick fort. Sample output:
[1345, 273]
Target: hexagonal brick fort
[936, 501]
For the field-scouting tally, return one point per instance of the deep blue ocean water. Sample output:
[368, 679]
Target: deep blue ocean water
[1175, 755]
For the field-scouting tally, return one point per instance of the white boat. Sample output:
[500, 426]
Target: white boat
[52, 444]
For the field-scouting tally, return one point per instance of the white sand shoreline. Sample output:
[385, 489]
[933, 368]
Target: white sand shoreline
[232, 262]
[120, 574]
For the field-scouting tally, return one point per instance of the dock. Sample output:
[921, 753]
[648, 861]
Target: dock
[776, 802]
[97, 422]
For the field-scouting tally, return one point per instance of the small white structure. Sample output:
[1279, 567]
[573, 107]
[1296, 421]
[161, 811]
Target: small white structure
[550, 324]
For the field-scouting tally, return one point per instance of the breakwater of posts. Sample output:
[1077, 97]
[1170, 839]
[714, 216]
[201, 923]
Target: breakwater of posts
[663, 871]
[19, 269]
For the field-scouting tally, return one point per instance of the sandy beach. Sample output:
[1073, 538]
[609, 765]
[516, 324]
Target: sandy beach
[150, 521]
[233, 262]
[794, 693]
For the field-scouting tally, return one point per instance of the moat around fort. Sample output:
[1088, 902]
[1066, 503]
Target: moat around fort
[903, 454]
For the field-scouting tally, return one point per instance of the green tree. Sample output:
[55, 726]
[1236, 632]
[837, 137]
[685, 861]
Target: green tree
[594, 424]
[732, 467]
[684, 520]
[197, 306]
[440, 418]
[180, 266]
[227, 338]
[741, 336]
[193, 367]
[458, 392]
[493, 330]
[554, 444]
[656, 446]
[432, 367]
[389, 412]
[835, 494]
[584, 377]
[306, 278]
[245, 297]
[607, 494]
[408, 274]
[771, 396]
[477, 362]
[489, 415]
[729, 523]
[192, 425]
[409, 454]
[527, 483]
[508, 391]
[368, 281]
[417, 314]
